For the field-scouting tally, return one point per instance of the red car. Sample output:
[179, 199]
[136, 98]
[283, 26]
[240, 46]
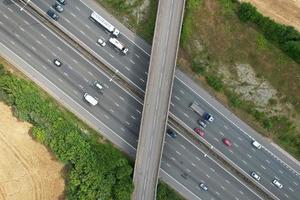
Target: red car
[199, 132]
[227, 142]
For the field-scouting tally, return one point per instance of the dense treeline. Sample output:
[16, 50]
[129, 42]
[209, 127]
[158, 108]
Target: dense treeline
[96, 171]
[286, 37]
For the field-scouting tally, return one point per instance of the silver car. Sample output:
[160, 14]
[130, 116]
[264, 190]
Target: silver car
[203, 186]
[277, 183]
[58, 7]
[255, 176]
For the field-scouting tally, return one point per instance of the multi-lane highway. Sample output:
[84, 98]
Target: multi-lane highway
[262, 161]
[32, 47]
[135, 66]
[157, 98]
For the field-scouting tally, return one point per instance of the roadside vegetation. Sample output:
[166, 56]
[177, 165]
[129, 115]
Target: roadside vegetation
[286, 37]
[138, 15]
[223, 50]
[95, 169]
[222, 42]
[164, 192]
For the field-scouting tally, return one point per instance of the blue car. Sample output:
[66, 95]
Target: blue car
[208, 117]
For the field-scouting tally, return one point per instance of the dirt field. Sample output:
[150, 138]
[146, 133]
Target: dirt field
[27, 170]
[283, 11]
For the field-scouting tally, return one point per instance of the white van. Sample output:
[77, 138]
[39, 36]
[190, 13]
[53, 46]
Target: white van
[256, 144]
[91, 100]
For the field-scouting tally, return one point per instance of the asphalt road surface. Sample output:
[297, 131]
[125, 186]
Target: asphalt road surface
[268, 162]
[32, 47]
[157, 98]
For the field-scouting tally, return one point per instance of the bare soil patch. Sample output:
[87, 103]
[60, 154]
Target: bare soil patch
[282, 11]
[27, 170]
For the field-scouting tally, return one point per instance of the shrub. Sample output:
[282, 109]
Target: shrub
[286, 37]
[96, 171]
[235, 101]
[215, 82]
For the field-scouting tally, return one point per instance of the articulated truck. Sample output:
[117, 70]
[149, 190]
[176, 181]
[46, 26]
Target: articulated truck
[197, 109]
[97, 18]
[118, 45]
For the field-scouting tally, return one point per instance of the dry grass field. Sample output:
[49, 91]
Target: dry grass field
[282, 11]
[27, 170]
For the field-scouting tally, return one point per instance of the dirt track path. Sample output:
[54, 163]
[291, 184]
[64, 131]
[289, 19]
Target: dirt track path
[27, 170]
[283, 11]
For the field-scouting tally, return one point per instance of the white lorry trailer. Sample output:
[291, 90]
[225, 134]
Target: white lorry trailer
[196, 108]
[116, 43]
[91, 100]
[97, 18]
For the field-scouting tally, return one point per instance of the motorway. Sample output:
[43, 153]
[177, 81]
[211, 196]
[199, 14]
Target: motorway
[32, 48]
[135, 67]
[157, 98]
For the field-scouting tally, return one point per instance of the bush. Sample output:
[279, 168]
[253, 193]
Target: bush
[286, 37]
[96, 171]
[166, 193]
[235, 101]
[215, 82]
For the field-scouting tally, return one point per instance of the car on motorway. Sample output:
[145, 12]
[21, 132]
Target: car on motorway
[101, 42]
[98, 85]
[227, 142]
[202, 123]
[53, 15]
[171, 133]
[255, 176]
[203, 186]
[57, 62]
[90, 99]
[256, 144]
[208, 117]
[58, 7]
[277, 183]
[63, 2]
[199, 131]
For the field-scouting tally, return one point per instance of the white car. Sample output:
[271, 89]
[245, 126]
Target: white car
[101, 42]
[202, 124]
[57, 63]
[203, 186]
[256, 144]
[277, 184]
[98, 85]
[255, 176]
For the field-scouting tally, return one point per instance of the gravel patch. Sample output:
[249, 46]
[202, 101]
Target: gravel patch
[249, 87]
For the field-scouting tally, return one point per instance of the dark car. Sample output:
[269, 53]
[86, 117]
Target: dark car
[171, 133]
[63, 2]
[199, 131]
[227, 142]
[58, 7]
[53, 15]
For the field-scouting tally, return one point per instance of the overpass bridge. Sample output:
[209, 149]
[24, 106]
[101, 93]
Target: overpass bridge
[157, 97]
